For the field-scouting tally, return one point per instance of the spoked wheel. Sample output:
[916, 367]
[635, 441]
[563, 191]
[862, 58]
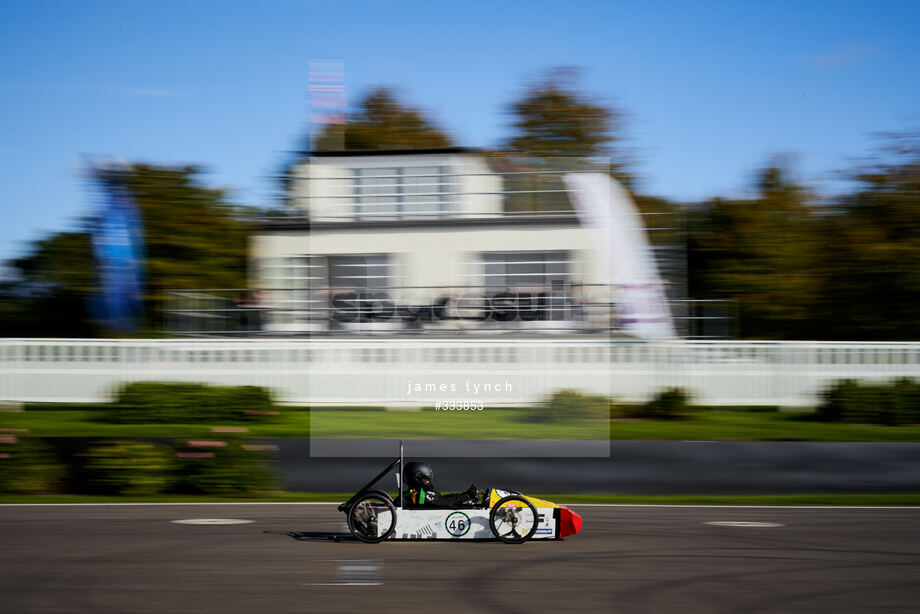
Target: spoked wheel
[513, 519]
[372, 518]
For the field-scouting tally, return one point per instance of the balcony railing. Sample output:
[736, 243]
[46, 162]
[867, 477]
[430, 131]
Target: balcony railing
[427, 310]
[519, 194]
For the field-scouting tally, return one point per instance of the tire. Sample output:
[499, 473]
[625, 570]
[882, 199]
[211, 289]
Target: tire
[364, 515]
[510, 516]
[383, 494]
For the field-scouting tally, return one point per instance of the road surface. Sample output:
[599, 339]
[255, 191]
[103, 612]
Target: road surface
[632, 467]
[632, 559]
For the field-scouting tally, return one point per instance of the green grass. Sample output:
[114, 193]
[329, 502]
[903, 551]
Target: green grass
[702, 425]
[799, 499]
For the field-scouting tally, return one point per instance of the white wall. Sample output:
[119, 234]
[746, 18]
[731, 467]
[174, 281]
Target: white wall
[432, 256]
[322, 185]
[376, 371]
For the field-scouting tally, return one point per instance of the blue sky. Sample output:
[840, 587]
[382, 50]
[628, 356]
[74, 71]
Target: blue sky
[711, 90]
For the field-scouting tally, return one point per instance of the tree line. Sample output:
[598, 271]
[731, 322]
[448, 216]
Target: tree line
[795, 265]
[798, 266]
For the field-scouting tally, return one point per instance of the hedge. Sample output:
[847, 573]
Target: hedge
[28, 465]
[223, 466]
[135, 467]
[183, 402]
[125, 466]
[668, 404]
[571, 405]
[893, 403]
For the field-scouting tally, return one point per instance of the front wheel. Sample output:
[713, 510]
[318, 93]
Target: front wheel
[513, 519]
[372, 518]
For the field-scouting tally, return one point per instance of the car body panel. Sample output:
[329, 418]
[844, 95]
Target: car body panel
[464, 523]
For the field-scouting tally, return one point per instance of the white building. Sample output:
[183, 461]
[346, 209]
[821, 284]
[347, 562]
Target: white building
[445, 239]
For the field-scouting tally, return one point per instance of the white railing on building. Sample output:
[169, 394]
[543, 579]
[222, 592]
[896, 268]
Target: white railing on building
[377, 371]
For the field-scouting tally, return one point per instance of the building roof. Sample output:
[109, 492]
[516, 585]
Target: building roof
[304, 223]
[418, 151]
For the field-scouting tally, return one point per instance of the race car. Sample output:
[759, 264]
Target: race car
[506, 515]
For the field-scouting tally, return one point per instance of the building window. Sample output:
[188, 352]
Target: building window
[359, 271]
[286, 283]
[400, 193]
[523, 270]
[359, 288]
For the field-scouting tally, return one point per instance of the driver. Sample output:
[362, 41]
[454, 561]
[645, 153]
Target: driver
[419, 479]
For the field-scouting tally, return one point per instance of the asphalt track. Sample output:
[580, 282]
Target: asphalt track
[631, 467]
[635, 559]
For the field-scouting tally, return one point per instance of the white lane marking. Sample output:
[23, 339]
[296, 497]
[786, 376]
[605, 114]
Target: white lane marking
[213, 521]
[354, 572]
[343, 584]
[741, 523]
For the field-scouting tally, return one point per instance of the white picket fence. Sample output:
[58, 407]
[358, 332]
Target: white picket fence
[370, 371]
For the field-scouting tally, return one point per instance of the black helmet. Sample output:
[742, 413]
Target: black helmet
[418, 474]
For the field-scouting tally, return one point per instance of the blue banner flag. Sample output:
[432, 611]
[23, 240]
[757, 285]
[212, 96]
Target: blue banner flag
[118, 249]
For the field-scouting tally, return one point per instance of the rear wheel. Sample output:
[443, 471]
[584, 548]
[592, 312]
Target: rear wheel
[513, 519]
[372, 518]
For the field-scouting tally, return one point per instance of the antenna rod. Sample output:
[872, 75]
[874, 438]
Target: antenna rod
[400, 473]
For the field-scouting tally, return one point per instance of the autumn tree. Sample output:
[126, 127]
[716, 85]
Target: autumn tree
[554, 120]
[873, 247]
[383, 121]
[764, 254]
[554, 126]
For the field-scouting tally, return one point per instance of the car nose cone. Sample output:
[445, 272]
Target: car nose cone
[569, 522]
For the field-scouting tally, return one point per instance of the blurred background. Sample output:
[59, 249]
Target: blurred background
[596, 252]
[776, 180]
[297, 221]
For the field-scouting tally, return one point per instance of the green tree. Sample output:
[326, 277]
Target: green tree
[193, 238]
[553, 121]
[46, 292]
[663, 219]
[383, 121]
[874, 247]
[765, 254]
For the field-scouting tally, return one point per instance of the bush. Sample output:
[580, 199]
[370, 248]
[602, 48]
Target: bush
[227, 466]
[870, 403]
[125, 467]
[182, 402]
[134, 467]
[28, 465]
[669, 404]
[571, 405]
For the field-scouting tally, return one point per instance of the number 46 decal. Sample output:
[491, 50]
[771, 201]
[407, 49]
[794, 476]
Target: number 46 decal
[457, 524]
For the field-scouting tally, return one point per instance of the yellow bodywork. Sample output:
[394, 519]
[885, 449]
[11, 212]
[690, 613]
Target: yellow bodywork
[496, 495]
